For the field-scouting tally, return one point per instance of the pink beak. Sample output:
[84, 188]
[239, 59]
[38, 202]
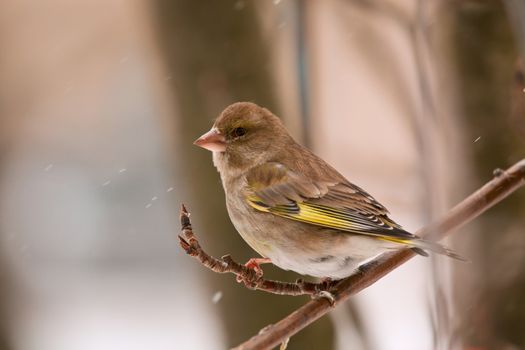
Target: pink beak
[213, 141]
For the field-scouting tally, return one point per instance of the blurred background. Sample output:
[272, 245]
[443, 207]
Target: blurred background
[418, 101]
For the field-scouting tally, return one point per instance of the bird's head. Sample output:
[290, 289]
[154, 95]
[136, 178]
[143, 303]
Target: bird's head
[244, 135]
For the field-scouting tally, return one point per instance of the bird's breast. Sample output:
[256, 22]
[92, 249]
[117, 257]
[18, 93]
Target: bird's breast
[253, 227]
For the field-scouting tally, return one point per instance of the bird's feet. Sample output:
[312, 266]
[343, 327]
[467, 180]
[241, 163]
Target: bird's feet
[327, 283]
[322, 289]
[324, 292]
[255, 264]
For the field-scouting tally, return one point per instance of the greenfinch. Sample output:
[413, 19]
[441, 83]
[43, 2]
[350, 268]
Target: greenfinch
[290, 206]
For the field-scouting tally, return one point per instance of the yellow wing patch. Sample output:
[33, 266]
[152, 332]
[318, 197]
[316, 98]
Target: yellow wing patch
[322, 216]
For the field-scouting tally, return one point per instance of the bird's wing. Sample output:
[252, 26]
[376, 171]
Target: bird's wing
[334, 204]
[337, 204]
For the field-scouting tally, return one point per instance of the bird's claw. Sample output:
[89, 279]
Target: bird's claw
[324, 290]
[325, 294]
[498, 172]
[252, 264]
[327, 283]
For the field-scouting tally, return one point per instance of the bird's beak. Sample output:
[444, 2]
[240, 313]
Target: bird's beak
[213, 141]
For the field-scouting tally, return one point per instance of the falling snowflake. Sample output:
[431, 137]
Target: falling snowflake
[216, 297]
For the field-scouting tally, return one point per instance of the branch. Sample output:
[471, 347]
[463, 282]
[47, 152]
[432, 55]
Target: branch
[504, 183]
[248, 276]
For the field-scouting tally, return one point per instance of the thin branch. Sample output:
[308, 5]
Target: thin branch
[504, 183]
[248, 276]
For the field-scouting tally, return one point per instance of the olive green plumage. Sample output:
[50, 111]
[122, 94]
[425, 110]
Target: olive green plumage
[291, 206]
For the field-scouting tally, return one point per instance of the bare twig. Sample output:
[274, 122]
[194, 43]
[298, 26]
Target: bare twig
[504, 183]
[226, 264]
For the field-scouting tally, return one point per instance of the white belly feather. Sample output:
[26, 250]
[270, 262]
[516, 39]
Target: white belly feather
[341, 262]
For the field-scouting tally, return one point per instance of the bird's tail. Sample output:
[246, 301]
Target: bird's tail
[420, 246]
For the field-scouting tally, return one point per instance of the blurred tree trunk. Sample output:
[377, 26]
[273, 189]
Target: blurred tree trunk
[491, 85]
[7, 280]
[217, 55]
[6, 286]
[8, 283]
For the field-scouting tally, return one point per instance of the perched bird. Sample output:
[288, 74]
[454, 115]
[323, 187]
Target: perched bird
[293, 208]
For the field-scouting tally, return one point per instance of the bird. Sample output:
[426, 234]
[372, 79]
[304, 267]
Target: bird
[294, 209]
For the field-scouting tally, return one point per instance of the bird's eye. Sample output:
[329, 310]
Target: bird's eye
[238, 132]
